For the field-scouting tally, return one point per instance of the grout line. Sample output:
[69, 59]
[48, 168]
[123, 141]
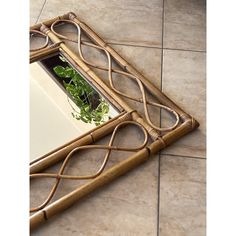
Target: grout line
[133, 45]
[187, 50]
[162, 57]
[161, 88]
[158, 193]
[40, 11]
[155, 47]
[185, 156]
[162, 43]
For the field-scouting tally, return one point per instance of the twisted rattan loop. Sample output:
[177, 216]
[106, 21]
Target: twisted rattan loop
[58, 176]
[111, 70]
[37, 32]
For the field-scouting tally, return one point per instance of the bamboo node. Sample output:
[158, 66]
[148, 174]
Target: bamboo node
[184, 117]
[109, 147]
[88, 70]
[105, 45]
[92, 137]
[149, 151]
[45, 215]
[44, 28]
[72, 15]
[56, 44]
[126, 66]
[128, 114]
[162, 141]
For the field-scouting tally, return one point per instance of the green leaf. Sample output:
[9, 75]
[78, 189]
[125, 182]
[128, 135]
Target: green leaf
[83, 119]
[60, 71]
[105, 108]
[69, 72]
[64, 72]
[79, 88]
[87, 108]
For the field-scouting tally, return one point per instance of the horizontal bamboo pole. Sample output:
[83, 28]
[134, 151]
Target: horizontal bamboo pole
[108, 175]
[88, 138]
[40, 55]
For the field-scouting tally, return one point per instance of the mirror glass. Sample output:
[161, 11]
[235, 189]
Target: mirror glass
[63, 105]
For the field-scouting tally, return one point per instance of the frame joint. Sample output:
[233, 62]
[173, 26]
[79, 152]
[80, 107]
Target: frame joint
[192, 123]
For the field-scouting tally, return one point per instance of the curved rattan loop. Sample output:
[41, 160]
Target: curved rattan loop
[110, 71]
[108, 147]
[33, 32]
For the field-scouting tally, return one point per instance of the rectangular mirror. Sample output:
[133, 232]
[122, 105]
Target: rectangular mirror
[72, 107]
[63, 105]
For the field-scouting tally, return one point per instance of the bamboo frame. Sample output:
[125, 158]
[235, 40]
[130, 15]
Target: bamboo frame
[161, 137]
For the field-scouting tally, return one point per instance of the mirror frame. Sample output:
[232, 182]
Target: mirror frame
[128, 115]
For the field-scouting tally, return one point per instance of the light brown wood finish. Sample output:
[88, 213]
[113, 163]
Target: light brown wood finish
[151, 88]
[87, 138]
[160, 139]
[98, 81]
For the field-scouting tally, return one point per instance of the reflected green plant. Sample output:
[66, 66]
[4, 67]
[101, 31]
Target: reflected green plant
[93, 108]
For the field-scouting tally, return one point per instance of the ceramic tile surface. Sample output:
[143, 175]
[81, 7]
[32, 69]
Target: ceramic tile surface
[129, 205]
[182, 196]
[184, 81]
[145, 60]
[133, 22]
[125, 207]
[185, 24]
[35, 10]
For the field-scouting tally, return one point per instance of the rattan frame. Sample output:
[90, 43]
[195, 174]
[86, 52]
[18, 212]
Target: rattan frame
[127, 116]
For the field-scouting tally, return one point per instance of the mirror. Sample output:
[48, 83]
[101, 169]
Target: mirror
[63, 105]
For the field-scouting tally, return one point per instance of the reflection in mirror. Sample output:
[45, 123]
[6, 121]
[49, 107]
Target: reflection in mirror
[63, 105]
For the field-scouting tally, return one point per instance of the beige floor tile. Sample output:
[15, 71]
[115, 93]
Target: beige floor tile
[148, 62]
[127, 22]
[35, 9]
[184, 82]
[127, 206]
[182, 196]
[185, 24]
[145, 60]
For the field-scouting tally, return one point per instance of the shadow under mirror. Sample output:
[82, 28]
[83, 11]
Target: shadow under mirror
[63, 105]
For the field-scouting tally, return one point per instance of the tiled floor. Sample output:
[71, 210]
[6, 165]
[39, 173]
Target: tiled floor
[165, 40]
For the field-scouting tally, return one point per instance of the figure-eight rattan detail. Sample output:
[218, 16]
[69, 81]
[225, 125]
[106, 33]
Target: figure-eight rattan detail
[60, 175]
[110, 70]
